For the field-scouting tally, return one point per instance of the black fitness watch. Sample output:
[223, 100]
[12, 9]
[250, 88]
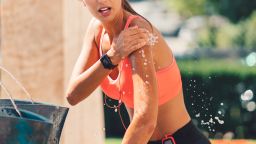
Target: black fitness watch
[106, 62]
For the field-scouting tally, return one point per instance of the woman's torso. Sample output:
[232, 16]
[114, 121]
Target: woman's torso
[172, 115]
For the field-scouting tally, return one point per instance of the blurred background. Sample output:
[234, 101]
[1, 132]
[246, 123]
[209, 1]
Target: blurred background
[214, 42]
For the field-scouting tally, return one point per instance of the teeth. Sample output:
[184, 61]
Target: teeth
[103, 9]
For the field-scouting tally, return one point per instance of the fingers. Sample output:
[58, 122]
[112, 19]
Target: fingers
[134, 31]
[137, 45]
[139, 41]
[138, 36]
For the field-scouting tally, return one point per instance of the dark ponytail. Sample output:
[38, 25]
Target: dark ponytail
[128, 7]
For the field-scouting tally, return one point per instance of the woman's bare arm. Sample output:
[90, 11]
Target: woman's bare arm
[145, 95]
[88, 71]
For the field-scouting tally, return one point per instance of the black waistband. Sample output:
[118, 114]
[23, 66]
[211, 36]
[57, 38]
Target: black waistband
[185, 135]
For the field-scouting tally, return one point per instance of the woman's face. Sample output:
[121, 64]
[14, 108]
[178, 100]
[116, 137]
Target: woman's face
[104, 10]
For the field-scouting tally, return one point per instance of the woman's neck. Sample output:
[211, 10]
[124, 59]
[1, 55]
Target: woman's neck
[114, 27]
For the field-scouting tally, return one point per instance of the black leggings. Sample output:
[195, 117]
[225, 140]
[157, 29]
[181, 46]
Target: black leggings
[188, 134]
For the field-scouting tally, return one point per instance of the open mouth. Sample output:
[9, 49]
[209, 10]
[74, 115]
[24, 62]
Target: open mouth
[104, 10]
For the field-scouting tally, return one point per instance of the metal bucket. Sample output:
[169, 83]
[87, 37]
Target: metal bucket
[31, 128]
[26, 113]
[55, 114]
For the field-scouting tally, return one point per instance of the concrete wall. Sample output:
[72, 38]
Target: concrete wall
[40, 41]
[87, 117]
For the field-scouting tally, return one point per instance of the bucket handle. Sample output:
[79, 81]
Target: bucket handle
[10, 96]
[17, 82]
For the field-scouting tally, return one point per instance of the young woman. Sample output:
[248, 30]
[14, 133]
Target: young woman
[127, 56]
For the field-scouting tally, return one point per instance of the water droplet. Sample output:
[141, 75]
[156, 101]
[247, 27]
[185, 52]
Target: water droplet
[146, 82]
[247, 95]
[210, 77]
[211, 120]
[219, 121]
[126, 65]
[219, 112]
[221, 104]
[251, 106]
[145, 63]
[198, 115]
[115, 109]
[147, 76]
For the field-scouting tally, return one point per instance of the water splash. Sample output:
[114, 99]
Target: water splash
[11, 98]
[152, 39]
[18, 83]
[219, 121]
[207, 120]
[247, 95]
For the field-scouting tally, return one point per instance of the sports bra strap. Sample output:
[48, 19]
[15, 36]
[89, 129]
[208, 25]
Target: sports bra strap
[130, 18]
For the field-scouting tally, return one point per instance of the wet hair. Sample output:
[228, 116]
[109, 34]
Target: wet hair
[126, 5]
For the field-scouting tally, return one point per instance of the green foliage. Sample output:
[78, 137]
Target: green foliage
[235, 10]
[208, 67]
[113, 141]
[227, 35]
[250, 34]
[240, 36]
[189, 8]
[207, 37]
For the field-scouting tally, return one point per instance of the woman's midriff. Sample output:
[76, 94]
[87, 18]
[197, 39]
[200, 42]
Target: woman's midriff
[171, 117]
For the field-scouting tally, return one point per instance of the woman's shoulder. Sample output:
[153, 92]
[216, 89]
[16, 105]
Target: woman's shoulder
[95, 26]
[141, 22]
[94, 29]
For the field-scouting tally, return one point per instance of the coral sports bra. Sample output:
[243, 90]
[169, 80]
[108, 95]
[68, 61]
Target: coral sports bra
[168, 80]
